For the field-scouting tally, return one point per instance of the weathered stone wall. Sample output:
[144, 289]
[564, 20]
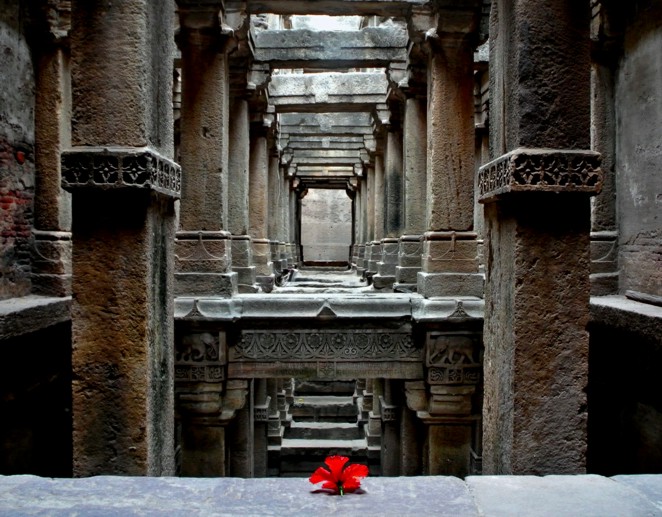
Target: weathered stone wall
[638, 100]
[326, 226]
[16, 151]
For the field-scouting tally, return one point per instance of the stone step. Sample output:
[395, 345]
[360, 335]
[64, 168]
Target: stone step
[326, 408]
[300, 458]
[323, 431]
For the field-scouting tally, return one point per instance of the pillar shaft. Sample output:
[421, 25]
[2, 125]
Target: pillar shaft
[258, 205]
[51, 254]
[449, 268]
[204, 246]
[124, 185]
[537, 239]
[415, 164]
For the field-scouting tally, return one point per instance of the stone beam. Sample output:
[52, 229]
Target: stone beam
[327, 92]
[335, 7]
[325, 124]
[369, 47]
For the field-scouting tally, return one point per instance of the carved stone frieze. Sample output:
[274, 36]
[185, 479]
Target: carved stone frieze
[325, 345]
[200, 358]
[540, 170]
[452, 358]
[120, 168]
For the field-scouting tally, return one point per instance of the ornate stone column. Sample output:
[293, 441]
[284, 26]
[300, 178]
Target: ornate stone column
[204, 247]
[51, 251]
[445, 402]
[537, 212]
[450, 248]
[124, 185]
[258, 204]
[206, 403]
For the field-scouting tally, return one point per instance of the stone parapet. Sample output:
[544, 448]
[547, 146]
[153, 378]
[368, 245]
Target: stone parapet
[540, 170]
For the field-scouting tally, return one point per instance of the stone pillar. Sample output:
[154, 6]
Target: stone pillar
[258, 203]
[393, 208]
[241, 444]
[378, 200]
[51, 251]
[604, 229]
[203, 250]
[415, 157]
[238, 166]
[450, 248]
[273, 211]
[124, 184]
[390, 446]
[260, 419]
[537, 212]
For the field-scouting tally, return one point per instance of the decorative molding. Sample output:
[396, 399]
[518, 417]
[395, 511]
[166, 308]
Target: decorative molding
[452, 358]
[540, 170]
[199, 358]
[120, 167]
[325, 345]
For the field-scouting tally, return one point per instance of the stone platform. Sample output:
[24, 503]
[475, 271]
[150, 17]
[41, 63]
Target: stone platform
[486, 496]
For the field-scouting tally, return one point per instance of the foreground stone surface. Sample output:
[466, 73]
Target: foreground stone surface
[440, 496]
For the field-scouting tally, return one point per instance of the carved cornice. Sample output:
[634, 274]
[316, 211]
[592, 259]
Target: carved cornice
[120, 167]
[540, 170]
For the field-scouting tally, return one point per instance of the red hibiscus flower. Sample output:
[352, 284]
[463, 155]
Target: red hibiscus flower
[338, 477]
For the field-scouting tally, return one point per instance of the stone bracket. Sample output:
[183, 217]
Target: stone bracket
[540, 170]
[201, 357]
[120, 168]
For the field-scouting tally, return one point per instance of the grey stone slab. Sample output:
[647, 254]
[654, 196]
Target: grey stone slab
[329, 91]
[27, 314]
[143, 496]
[369, 47]
[556, 496]
[335, 7]
[648, 485]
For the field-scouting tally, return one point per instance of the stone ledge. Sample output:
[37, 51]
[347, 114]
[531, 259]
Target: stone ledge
[624, 313]
[558, 496]
[20, 316]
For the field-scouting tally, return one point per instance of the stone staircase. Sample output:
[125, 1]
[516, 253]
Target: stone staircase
[324, 423]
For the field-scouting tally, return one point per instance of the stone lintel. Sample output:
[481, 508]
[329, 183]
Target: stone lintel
[329, 370]
[540, 170]
[370, 47]
[395, 8]
[120, 168]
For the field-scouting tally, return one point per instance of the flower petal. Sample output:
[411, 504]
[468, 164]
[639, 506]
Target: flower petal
[352, 475]
[321, 474]
[336, 464]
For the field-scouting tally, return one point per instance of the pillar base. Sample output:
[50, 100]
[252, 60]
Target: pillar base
[451, 284]
[51, 263]
[223, 285]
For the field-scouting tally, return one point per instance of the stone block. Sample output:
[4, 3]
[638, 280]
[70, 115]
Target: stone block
[205, 284]
[451, 284]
